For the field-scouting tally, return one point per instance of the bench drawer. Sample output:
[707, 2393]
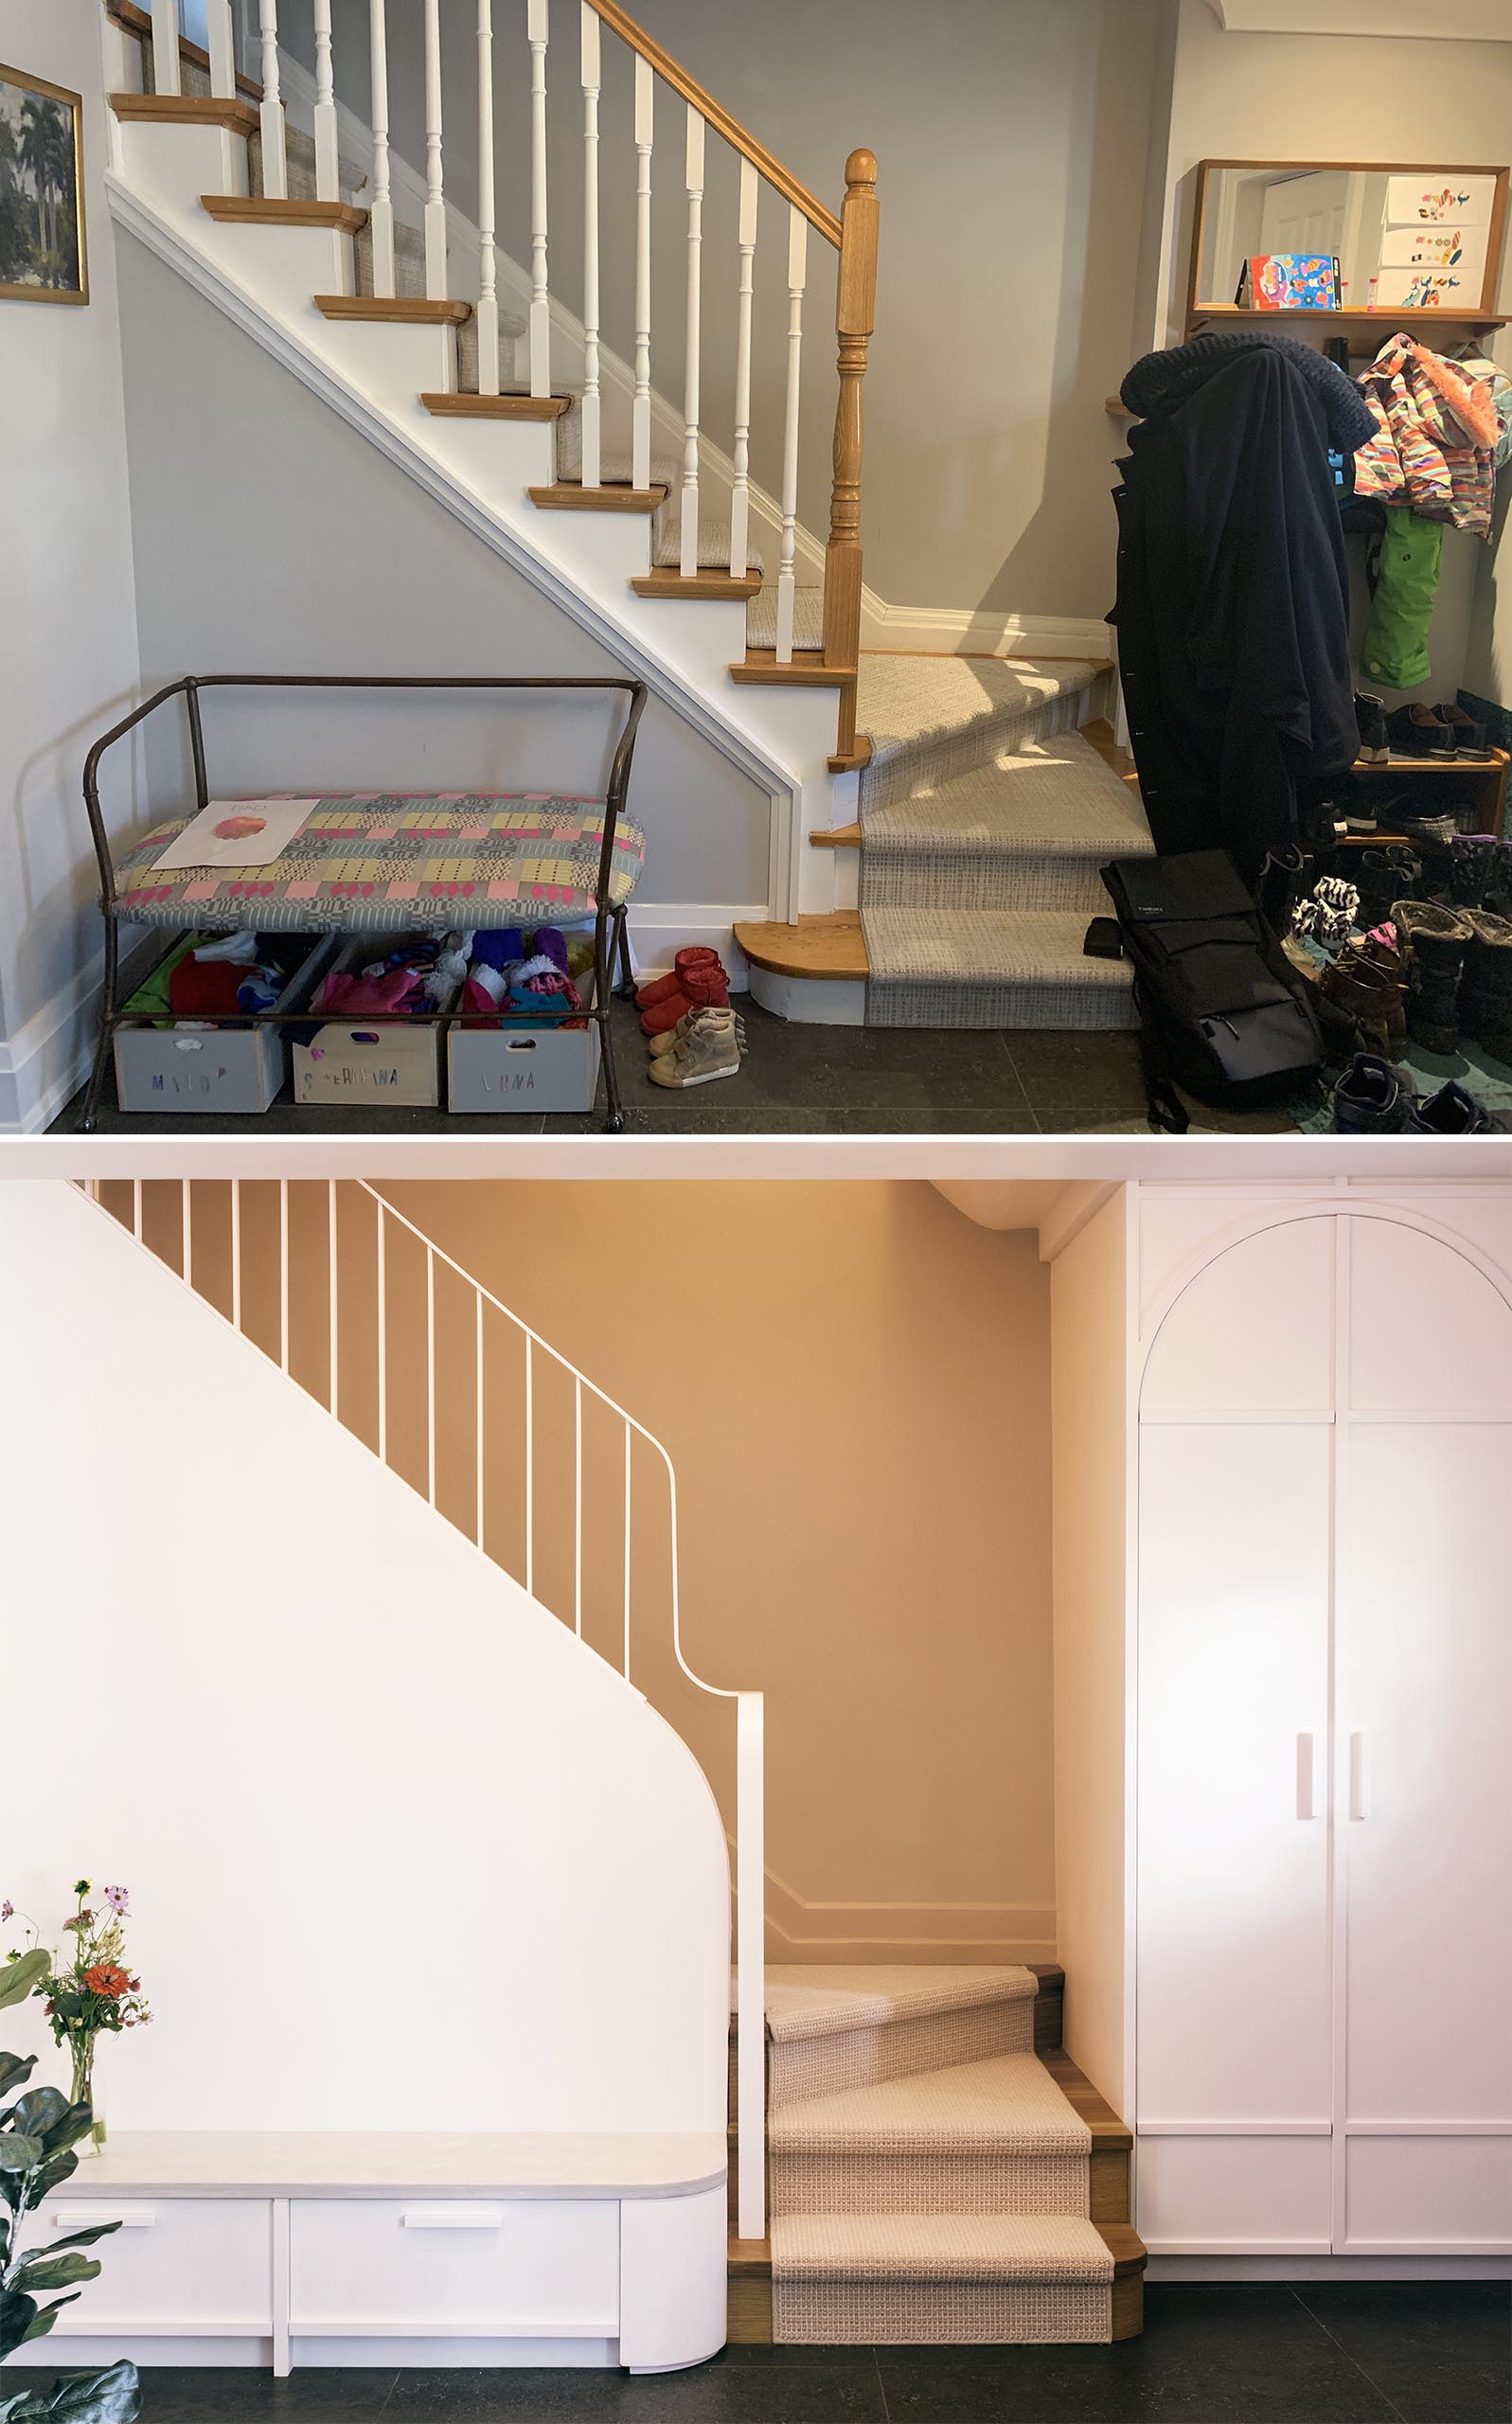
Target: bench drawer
[177, 2265]
[470, 2267]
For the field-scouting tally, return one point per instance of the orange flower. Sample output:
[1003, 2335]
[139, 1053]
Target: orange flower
[106, 1979]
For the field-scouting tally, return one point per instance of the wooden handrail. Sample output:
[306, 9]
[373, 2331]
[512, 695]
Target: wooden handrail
[137, 22]
[708, 108]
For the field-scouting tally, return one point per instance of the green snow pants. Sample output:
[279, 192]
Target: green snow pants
[1395, 646]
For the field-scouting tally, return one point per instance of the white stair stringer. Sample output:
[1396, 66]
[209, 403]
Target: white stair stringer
[373, 374]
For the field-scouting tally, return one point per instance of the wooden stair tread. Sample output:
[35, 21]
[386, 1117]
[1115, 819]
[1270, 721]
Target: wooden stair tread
[837, 837]
[186, 109]
[750, 2258]
[829, 946]
[807, 669]
[570, 496]
[708, 583]
[462, 407]
[417, 310]
[1108, 2130]
[1125, 2246]
[256, 211]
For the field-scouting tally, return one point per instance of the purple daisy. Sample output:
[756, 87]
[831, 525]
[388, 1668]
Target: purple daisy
[119, 1901]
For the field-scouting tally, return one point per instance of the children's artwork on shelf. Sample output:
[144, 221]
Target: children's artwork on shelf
[1424, 289]
[1293, 282]
[1439, 200]
[1422, 248]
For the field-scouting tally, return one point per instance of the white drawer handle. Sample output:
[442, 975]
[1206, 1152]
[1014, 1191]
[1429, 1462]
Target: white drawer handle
[89, 2218]
[453, 2217]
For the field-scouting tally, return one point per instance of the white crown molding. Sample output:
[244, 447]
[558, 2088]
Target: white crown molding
[1454, 20]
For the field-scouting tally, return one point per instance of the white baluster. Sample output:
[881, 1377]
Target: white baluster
[537, 32]
[328, 170]
[274, 154]
[381, 216]
[640, 468]
[787, 570]
[220, 35]
[593, 460]
[741, 498]
[690, 372]
[434, 193]
[488, 264]
[167, 74]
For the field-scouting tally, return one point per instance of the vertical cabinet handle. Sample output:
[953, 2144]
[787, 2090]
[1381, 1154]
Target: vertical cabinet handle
[1307, 1805]
[1358, 1802]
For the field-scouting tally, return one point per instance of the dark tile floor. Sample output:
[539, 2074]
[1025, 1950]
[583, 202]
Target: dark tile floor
[806, 1080]
[1319, 2353]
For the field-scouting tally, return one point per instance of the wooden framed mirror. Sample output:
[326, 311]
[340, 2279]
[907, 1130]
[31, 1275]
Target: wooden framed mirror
[1348, 248]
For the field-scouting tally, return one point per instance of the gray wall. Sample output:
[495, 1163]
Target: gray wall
[1012, 142]
[271, 538]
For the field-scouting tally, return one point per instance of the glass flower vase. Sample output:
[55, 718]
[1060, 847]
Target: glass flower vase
[84, 2088]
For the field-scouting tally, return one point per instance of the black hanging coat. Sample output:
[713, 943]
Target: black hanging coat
[1232, 593]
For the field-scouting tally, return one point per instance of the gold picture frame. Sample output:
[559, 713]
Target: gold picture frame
[44, 250]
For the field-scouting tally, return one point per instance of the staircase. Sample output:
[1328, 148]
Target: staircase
[938, 827]
[939, 2169]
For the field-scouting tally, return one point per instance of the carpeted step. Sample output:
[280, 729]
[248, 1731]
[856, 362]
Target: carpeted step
[808, 618]
[713, 546]
[977, 968]
[831, 2030]
[1031, 830]
[989, 2137]
[900, 2278]
[932, 719]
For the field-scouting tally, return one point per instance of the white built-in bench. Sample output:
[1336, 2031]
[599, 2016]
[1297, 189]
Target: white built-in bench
[347, 2249]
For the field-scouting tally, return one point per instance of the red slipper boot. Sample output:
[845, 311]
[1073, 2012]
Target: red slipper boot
[661, 988]
[704, 988]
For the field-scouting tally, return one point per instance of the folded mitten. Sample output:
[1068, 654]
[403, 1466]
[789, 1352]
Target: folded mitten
[350, 996]
[499, 946]
[204, 989]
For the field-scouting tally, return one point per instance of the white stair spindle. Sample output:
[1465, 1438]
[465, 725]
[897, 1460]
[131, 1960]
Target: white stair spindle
[221, 41]
[593, 459]
[537, 32]
[690, 373]
[435, 190]
[787, 570]
[167, 74]
[381, 216]
[640, 470]
[328, 170]
[487, 263]
[741, 497]
[274, 153]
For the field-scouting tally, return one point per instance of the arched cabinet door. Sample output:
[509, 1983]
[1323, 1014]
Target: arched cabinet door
[1423, 2090]
[1232, 2046]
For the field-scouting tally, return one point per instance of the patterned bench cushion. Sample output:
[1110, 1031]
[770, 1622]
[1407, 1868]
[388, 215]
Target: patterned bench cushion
[424, 861]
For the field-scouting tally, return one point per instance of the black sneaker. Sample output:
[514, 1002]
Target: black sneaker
[1469, 737]
[1402, 814]
[1370, 715]
[1452, 1112]
[1371, 1099]
[1417, 731]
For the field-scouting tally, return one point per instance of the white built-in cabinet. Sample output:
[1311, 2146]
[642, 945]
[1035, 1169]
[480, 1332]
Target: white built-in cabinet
[1305, 1981]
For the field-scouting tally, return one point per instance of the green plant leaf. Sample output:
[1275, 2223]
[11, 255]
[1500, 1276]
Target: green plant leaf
[76, 2123]
[44, 2270]
[76, 2239]
[54, 2171]
[43, 2323]
[115, 2397]
[39, 2110]
[20, 1978]
[20, 2153]
[17, 2314]
[21, 2408]
[13, 2070]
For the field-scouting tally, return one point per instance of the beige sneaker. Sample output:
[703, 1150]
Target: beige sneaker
[672, 1036]
[710, 1050]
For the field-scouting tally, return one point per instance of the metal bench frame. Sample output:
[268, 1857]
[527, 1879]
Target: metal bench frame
[611, 941]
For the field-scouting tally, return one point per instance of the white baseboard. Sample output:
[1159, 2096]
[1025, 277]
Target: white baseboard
[45, 1062]
[1328, 2268]
[965, 631]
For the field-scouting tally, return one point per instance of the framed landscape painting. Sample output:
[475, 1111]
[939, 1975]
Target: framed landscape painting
[43, 258]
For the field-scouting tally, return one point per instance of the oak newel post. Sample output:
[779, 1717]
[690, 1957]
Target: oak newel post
[855, 316]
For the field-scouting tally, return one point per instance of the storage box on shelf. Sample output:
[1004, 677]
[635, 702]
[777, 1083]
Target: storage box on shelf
[370, 1060]
[192, 1066]
[524, 1065]
[257, 2248]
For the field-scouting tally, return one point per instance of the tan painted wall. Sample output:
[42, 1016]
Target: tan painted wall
[853, 1383]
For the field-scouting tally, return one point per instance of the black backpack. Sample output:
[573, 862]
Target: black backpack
[1221, 1010]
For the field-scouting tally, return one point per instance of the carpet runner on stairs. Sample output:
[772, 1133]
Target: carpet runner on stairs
[985, 818]
[929, 2179]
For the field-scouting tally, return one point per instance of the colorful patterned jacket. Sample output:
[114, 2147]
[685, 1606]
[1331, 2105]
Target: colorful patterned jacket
[1437, 430]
